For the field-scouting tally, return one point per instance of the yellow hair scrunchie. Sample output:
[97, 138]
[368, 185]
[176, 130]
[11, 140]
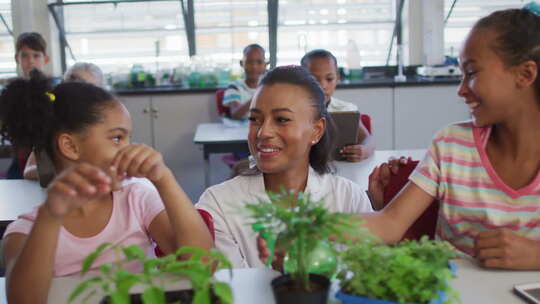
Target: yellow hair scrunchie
[51, 96]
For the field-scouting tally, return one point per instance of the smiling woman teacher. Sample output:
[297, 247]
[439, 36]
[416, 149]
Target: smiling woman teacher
[290, 139]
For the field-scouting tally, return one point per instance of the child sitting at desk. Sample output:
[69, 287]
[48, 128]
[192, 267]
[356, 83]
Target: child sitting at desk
[86, 132]
[30, 54]
[238, 95]
[323, 66]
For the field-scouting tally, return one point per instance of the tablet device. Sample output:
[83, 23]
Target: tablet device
[529, 292]
[346, 130]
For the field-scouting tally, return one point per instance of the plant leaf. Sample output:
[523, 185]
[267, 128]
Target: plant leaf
[202, 297]
[153, 295]
[119, 297]
[133, 252]
[224, 292]
[82, 287]
[89, 260]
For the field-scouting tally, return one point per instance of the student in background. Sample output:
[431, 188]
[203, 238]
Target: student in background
[87, 131]
[290, 139]
[238, 95]
[30, 54]
[79, 72]
[85, 72]
[323, 66]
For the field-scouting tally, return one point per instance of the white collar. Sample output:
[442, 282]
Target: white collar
[314, 185]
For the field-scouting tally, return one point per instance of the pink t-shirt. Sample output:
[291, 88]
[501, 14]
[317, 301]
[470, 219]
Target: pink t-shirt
[134, 208]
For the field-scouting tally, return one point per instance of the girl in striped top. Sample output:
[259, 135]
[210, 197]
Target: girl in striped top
[484, 172]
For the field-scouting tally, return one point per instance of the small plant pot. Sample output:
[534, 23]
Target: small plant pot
[288, 291]
[175, 296]
[352, 299]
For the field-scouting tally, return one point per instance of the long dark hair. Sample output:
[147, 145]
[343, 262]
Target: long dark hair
[32, 112]
[518, 37]
[321, 153]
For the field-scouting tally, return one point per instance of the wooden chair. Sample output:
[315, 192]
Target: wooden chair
[427, 222]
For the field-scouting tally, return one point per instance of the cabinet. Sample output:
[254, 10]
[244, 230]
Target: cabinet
[419, 112]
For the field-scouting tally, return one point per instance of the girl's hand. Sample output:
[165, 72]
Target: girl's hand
[140, 160]
[355, 153]
[74, 187]
[505, 249]
[380, 177]
[264, 254]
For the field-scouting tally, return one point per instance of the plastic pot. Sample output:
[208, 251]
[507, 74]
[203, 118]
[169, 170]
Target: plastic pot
[288, 291]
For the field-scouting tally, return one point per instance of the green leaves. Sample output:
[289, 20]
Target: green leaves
[301, 224]
[195, 264]
[409, 272]
[89, 260]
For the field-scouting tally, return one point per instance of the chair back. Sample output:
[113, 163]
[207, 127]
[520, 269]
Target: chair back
[366, 121]
[221, 109]
[427, 222]
[207, 219]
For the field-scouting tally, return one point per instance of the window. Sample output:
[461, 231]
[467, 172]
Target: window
[353, 30]
[465, 14]
[8, 66]
[116, 36]
[224, 28]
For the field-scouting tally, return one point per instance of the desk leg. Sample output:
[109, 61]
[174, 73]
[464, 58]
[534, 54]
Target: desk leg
[206, 168]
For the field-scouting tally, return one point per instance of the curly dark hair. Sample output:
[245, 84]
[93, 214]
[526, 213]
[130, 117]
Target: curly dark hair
[32, 112]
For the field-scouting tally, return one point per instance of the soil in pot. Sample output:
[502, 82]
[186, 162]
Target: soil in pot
[288, 291]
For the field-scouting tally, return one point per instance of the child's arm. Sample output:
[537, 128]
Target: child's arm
[239, 110]
[30, 258]
[362, 150]
[183, 225]
[30, 169]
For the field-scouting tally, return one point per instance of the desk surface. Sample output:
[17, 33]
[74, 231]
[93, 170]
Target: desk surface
[18, 196]
[474, 284]
[218, 133]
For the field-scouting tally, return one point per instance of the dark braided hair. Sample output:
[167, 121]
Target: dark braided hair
[321, 153]
[32, 112]
[518, 37]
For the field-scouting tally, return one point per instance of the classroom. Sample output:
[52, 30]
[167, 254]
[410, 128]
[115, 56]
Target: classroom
[306, 151]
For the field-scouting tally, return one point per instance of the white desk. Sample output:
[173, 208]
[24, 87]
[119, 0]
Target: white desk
[18, 196]
[217, 138]
[359, 172]
[474, 284]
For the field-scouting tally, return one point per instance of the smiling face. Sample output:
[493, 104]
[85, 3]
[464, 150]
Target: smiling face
[282, 128]
[99, 143]
[325, 72]
[488, 85]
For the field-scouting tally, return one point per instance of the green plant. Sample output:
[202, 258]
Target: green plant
[409, 272]
[301, 225]
[197, 265]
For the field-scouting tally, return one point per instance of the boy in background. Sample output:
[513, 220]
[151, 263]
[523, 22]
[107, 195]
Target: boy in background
[30, 54]
[323, 66]
[238, 94]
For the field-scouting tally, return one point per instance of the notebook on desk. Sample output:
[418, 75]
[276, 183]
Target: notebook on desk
[347, 130]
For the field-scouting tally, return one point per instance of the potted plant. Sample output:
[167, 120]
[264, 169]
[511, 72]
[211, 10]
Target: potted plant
[408, 272]
[303, 228]
[115, 281]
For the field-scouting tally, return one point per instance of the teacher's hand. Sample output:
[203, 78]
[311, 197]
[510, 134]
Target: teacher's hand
[503, 248]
